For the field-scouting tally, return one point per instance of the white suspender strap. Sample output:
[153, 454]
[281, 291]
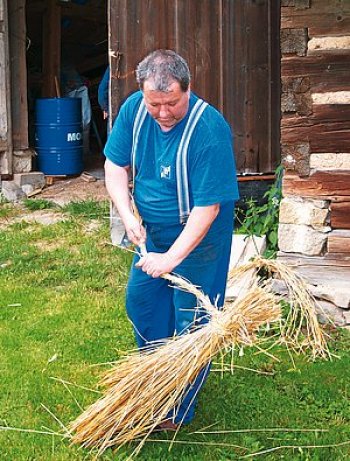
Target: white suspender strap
[139, 119]
[183, 195]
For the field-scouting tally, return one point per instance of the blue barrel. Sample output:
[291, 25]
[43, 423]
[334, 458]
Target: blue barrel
[59, 136]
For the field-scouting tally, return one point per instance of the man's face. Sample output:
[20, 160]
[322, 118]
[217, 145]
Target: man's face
[167, 108]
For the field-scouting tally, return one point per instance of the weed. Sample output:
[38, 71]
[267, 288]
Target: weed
[88, 209]
[262, 220]
[38, 204]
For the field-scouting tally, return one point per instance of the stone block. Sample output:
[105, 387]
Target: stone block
[36, 179]
[319, 44]
[299, 238]
[330, 161]
[11, 191]
[331, 97]
[308, 212]
[329, 313]
[22, 160]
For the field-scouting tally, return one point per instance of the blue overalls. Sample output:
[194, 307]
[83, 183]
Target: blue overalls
[156, 309]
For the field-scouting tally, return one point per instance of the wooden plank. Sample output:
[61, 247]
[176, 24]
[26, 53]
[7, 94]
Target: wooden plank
[323, 184]
[339, 242]
[340, 215]
[19, 105]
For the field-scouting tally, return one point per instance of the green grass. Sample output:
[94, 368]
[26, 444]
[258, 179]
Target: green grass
[38, 204]
[62, 310]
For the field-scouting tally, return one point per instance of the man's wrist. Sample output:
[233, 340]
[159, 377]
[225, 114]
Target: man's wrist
[172, 258]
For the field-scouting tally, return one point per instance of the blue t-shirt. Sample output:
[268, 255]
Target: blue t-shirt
[211, 166]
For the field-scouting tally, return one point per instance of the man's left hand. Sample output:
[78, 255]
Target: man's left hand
[156, 264]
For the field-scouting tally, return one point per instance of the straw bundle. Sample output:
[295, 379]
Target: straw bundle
[143, 388]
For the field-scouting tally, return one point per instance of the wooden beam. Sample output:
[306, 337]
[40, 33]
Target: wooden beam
[323, 184]
[51, 48]
[340, 215]
[339, 242]
[19, 105]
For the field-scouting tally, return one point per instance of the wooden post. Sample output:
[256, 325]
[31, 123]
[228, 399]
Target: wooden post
[19, 106]
[5, 100]
[51, 48]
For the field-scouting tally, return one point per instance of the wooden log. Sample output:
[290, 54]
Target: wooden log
[322, 14]
[323, 137]
[295, 66]
[322, 184]
[339, 242]
[318, 7]
[330, 81]
[321, 114]
[340, 215]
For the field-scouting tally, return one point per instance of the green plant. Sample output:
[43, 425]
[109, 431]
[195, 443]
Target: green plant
[38, 204]
[262, 219]
[88, 209]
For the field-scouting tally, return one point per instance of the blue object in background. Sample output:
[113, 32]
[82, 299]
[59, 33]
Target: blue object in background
[59, 136]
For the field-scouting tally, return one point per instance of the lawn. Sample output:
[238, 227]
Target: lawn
[62, 319]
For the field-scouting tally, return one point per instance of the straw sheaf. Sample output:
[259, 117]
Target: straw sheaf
[142, 388]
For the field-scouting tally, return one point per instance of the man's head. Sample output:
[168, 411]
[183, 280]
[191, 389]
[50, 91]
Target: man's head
[164, 78]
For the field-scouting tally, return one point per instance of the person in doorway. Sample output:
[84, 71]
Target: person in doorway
[102, 93]
[179, 150]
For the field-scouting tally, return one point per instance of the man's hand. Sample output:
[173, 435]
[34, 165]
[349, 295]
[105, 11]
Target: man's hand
[135, 231]
[156, 264]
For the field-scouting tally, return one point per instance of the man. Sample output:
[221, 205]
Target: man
[102, 93]
[179, 150]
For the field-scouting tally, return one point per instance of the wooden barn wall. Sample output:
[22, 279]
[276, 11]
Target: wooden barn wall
[232, 48]
[315, 125]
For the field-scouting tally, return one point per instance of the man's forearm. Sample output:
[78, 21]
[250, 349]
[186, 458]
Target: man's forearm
[197, 226]
[117, 185]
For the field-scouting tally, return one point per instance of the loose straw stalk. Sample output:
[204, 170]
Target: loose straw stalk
[143, 388]
[300, 329]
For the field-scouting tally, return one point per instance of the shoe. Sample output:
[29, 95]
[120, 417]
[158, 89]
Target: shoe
[168, 426]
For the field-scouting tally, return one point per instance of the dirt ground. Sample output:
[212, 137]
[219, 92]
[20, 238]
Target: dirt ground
[89, 185]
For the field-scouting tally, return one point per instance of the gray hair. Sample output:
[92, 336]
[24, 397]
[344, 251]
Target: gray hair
[163, 67]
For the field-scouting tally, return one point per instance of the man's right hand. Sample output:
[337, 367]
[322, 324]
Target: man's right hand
[135, 230]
